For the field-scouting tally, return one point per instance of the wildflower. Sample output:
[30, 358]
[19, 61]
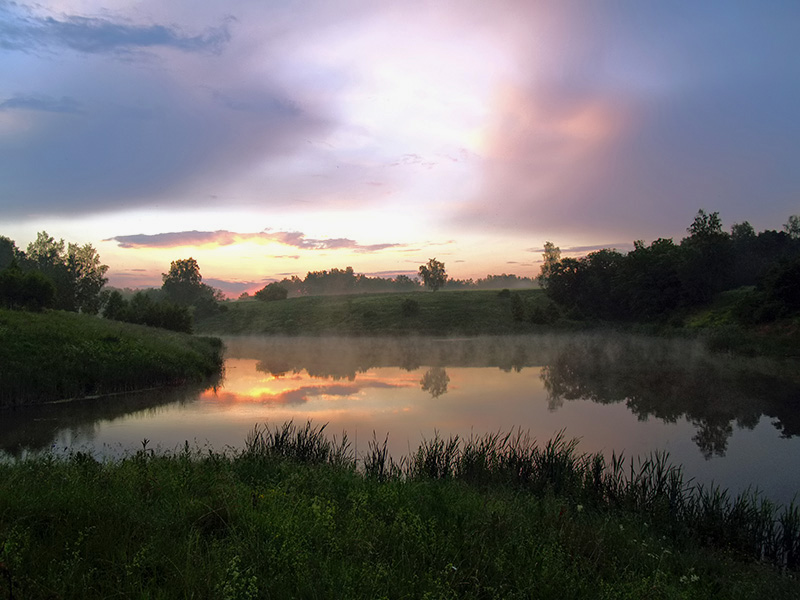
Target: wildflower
[579, 507]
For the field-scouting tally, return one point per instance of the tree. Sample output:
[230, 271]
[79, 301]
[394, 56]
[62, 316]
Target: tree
[8, 252]
[742, 231]
[705, 225]
[31, 290]
[433, 274]
[792, 227]
[87, 276]
[272, 291]
[184, 286]
[76, 272]
[551, 255]
[48, 256]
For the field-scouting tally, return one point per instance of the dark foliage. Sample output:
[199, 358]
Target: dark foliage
[272, 291]
[664, 279]
[144, 310]
[184, 286]
[31, 290]
[409, 307]
[73, 273]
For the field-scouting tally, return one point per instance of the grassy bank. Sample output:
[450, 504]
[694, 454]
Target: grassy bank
[57, 355]
[291, 517]
[487, 312]
[425, 313]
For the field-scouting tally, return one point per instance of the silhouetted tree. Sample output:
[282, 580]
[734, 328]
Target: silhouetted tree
[184, 283]
[792, 227]
[76, 272]
[184, 286]
[8, 252]
[551, 256]
[31, 290]
[272, 291]
[87, 276]
[433, 274]
[145, 309]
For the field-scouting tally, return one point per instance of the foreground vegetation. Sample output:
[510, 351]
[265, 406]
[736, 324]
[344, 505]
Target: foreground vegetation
[57, 355]
[292, 517]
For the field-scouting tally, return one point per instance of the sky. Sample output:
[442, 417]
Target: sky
[272, 138]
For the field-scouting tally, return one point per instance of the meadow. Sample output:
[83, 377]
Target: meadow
[59, 355]
[296, 515]
[471, 312]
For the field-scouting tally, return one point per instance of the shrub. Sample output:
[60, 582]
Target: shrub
[272, 291]
[517, 307]
[409, 307]
[32, 290]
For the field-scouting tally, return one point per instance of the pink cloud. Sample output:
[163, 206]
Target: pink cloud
[295, 239]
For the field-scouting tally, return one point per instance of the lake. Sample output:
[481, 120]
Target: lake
[728, 420]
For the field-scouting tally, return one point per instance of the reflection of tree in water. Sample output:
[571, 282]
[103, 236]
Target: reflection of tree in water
[712, 438]
[435, 381]
[671, 384]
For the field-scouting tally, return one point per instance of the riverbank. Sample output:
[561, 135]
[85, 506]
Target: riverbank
[473, 312]
[291, 517]
[59, 355]
[487, 312]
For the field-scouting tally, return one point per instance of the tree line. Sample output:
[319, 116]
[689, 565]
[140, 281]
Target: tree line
[71, 277]
[346, 281]
[51, 274]
[657, 281]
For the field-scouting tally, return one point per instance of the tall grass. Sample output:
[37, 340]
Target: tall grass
[748, 524]
[297, 515]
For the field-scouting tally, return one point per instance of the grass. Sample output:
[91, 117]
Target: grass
[59, 355]
[441, 313]
[295, 515]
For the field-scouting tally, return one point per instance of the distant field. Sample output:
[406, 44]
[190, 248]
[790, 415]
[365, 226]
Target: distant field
[56, 355]
[435, 313]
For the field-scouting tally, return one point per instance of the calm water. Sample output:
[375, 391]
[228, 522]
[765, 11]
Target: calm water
[720, 417]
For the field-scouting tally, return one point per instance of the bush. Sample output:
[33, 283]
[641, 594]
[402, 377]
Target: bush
[517, 308]
[32, 290]
[271, 292]
[143, 310]
[544, 315]
[409, 307]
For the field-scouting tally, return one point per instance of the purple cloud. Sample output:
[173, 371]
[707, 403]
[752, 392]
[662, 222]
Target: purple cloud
[227, 238]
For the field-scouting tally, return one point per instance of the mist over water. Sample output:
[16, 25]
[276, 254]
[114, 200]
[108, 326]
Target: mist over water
[729, 420]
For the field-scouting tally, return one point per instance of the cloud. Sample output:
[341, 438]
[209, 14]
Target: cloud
[23, 30]
[65, 104]
[646, 117]
[620, 246]
[227, 238]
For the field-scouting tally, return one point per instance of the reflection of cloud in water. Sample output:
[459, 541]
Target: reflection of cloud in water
[301, 395]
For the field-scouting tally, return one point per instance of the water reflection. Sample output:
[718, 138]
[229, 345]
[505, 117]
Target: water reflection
[671, 381]
[665, 379]
[31, 428]
[616, 393]
[435, 381]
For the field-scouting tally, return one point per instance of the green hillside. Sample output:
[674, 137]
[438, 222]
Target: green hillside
[440, 313]
[57, 355]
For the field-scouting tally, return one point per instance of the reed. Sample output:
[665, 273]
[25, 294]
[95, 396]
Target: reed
[295, 514]
[748, 523]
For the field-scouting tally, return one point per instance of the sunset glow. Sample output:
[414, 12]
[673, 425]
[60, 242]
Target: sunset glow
[270, 139]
